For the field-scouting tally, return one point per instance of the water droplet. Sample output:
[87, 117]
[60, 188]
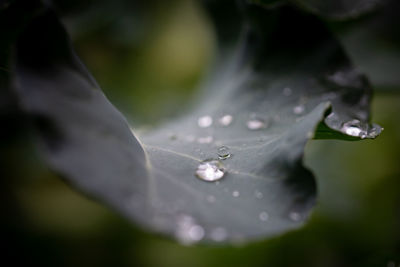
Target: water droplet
[287, 91]
[298, 109]
[225, 120]
[295, 216]
[353, 128]
[235, 193]
[263, 216]
[205, 121]
[223, 152]
[256, 124]
[211, 199]
[188, 231]
[258, 195]
[219, 234]
[310, 135]
[210, 170]
[205, 140]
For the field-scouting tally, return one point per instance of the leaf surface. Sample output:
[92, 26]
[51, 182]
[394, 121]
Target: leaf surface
[275, 81]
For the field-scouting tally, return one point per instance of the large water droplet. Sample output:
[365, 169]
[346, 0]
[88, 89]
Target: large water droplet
[223, 152]
[256, 124]
[263, 216]
[205, 121]
[210, 170]
[225, 120]
[354, 128]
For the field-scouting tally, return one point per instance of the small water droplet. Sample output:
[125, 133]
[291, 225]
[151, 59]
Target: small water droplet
[310, 135]
[263, 216]
[223, 152]
[219, 234]
[205, 121]
[287, 91]
[258, 195]
[225, 120]
[295, 216]
[298, 109]
[256, 124]
[205, 140]
[235, 193]
[211, 199]
[210, 170]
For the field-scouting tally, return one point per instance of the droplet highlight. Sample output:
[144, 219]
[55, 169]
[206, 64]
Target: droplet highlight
[210, 170]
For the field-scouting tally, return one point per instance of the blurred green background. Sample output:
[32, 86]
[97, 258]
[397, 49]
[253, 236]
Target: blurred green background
[148, 58]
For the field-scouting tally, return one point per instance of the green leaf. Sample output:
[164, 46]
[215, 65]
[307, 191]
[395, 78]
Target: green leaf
[278, 78]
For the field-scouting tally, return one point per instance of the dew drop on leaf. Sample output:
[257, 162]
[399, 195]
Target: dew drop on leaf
[210, 170]
[353, 128]
[256, 124]
[263, 216]
[225, 120]
[298, 109]
[205, 121]
[223, 152]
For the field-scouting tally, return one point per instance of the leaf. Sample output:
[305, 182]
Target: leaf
[339, 9]
[279, 77]
[331, 9]
[374, 45]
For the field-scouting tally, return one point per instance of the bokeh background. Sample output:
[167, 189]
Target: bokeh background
[148, 56]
